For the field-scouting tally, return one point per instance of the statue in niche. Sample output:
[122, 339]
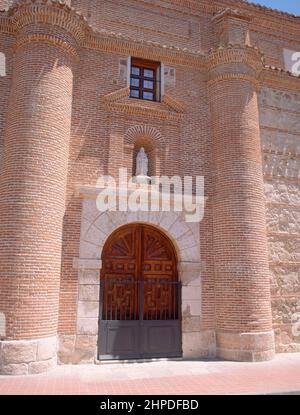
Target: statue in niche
[142, 167]
[142, 163]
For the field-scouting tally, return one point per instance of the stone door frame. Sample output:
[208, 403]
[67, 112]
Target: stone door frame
[96, 227]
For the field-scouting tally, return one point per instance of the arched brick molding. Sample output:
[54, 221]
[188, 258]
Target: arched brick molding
[148, 137]
[142, 130]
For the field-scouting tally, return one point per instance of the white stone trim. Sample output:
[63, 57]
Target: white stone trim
[96, 227]
[85, 264]
[2, 64]
[162, 79]
[128, 71]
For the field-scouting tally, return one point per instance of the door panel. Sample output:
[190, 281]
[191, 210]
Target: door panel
[139, 295]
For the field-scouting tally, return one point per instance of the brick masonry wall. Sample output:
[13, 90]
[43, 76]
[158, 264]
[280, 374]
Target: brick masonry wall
[280, 128]
[5, 84]
[153, 20]
[99, 145]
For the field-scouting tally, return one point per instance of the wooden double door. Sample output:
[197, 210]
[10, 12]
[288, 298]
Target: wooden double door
[140, 296]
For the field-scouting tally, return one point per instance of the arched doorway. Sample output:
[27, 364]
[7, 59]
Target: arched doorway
[140, 295]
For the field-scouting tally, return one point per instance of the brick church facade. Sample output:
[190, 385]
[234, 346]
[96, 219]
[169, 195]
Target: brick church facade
[207, 89]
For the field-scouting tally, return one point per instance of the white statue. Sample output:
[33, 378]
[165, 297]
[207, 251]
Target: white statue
[142, 163]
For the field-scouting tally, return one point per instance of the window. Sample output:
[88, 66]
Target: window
[145, 80]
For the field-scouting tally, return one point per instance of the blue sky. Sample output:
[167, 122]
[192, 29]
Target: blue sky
[290, 6]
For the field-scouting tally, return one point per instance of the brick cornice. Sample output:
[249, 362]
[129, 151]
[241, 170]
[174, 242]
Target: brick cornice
[279, 79]
[52, 40]
[223, 55]
[231, 13]
[52, 12]
[234, 77]
[194, 6]
[262, 17]
[112, 42]
[56, 14]
[49, 12]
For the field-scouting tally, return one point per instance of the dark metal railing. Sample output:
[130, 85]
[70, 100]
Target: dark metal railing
[125, 298]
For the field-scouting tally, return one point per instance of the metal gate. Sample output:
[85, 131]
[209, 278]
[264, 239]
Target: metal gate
[144, 322]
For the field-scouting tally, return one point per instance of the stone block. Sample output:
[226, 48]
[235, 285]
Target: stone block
[283, 220]
[87, 309]
[282, 120]
[277, 191]
[280, 165]
[85, 349]
[36, 368]
[191, 279]
[191, 293]
[284, 249]
[89, 292]
[90, 210]
[198, 345]
[179, 229]
[2, 325]
[87, 326]
[280, 142]
[89, 251]
[191, 324]
[285, 279]
[248, 347]
[191, 307]
[89, 277]
[95, 236]
[85, 225]
[167, 219]
[20, 369]
[285, 100]
[191, 254]
[66, 348]
[46, 348]
[18, 352]
[104, 223]
[87, 264]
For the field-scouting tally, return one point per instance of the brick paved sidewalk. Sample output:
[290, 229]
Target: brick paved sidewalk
[164, 377]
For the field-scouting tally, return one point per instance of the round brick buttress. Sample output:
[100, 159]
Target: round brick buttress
[32, 186]
[243, 306]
